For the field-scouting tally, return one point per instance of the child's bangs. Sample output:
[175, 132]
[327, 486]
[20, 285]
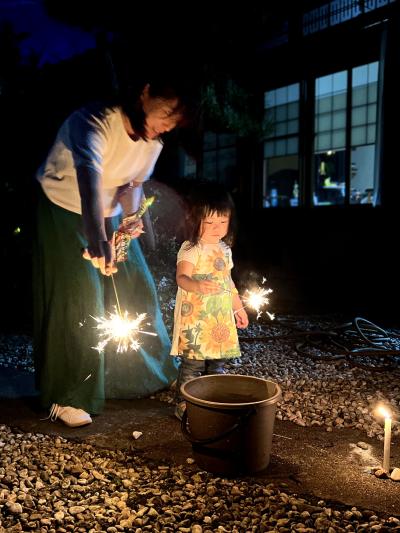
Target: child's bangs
[222, 211]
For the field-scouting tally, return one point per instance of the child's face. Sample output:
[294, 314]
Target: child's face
[214, 227]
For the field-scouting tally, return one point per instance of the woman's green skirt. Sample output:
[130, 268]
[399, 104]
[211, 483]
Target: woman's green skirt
[68, 293]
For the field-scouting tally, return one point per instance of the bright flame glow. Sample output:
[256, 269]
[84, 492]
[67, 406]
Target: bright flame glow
[382, 411]
[257, 298]
[121, 329]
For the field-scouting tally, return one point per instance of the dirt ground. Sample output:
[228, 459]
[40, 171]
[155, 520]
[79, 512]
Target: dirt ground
[311, 461]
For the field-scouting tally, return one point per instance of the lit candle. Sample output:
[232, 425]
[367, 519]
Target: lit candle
[387, 437]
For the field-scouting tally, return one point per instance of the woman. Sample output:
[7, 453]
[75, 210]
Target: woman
[94, 173]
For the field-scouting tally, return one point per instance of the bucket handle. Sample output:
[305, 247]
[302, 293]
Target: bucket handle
[211, 440]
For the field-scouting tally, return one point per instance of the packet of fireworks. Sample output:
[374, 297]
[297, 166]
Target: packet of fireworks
[123, 236]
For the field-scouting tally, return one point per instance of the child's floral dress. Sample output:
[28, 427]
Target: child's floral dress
[204, 324]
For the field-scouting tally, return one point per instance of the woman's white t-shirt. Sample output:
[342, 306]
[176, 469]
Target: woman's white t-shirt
[95, 138]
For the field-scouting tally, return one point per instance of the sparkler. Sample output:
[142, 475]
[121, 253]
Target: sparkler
[123, 236]
[256, 299]
[120, 328]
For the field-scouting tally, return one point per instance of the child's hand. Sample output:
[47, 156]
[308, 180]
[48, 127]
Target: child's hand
[242, 320]
[205, 286]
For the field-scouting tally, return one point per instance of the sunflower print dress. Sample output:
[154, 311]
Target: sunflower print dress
[204, 324]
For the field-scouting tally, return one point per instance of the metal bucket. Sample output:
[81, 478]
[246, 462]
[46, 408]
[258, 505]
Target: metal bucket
[229, 420]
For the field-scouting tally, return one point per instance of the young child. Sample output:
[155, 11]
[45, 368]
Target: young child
[207, 301]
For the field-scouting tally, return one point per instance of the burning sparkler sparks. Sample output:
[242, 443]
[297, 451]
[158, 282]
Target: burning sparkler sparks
[121, 329]
[256, 299]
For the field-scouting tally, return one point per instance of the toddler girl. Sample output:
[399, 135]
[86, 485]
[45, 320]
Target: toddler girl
[207, 301]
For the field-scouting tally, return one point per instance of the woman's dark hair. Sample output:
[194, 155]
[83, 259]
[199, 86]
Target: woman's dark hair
[165, 87]
[207, 198]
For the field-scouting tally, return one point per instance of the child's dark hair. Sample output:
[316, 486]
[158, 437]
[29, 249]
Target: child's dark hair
[204, 199]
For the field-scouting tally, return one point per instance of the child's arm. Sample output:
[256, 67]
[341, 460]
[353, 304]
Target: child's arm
[184, 271]
[242, 320]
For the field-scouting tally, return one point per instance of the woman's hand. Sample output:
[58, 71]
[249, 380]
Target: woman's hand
[101, 257]
[133, 229]
[205, 286]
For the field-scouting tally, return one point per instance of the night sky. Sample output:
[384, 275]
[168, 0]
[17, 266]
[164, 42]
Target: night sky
[49, 39]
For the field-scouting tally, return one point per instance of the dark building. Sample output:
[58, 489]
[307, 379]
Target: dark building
[319, 196]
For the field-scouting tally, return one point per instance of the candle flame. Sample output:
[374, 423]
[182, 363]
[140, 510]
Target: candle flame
[383, 411]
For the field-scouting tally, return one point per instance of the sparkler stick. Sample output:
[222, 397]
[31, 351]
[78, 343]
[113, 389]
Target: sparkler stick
[116, 295]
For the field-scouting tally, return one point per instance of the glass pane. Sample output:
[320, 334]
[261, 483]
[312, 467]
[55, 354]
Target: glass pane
[323, 86]
[281, 113]
[372, 93]
[371, 116]
[339, 82]
[324, 141]
[293, 110]
[339, 101]
[371, 134]
[359, 116]
[324, 105]
[269, 115]
[339, 120]
[358, 135]
[210, 140]
[339, 139]
[226, 139]
[324, 122]
[293, 126]
[281, 96]
[269, 149]
[293, 145]
[360, 96]
[281, 129]
[373, 71]
[329, 183]
[281, 182]
[362, 175]
[293, 92]
[269, 99]
[280, 147]
[360, 75]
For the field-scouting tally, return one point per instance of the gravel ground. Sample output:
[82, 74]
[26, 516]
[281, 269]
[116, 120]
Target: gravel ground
[48, 484]
[52, 484]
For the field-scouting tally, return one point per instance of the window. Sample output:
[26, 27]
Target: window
[330, 139]
[281, 158]
[363, 133]
[219, 157]
[344, 122]
[344, 142]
